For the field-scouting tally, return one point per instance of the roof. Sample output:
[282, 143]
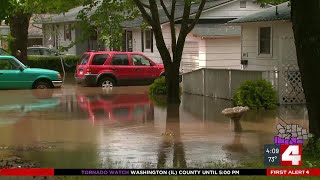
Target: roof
[216, 30]
[279, 12]
[71, 15]
[178, 12]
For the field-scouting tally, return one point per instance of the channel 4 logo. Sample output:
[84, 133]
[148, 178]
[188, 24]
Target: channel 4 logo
[283, 155]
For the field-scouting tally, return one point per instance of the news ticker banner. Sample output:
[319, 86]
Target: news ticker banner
[161, 172]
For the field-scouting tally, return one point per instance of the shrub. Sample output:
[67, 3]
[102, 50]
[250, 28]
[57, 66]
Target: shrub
[54, 62]
[159, 100]
[256, 94]
[158, 87]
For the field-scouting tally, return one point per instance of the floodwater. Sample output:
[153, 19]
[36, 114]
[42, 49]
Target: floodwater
[77, 127]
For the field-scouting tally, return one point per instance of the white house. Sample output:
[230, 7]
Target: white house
[212, 43]
[267, 44]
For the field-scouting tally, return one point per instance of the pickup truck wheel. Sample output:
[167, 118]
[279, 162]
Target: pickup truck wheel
[42, 85]
[106, 82]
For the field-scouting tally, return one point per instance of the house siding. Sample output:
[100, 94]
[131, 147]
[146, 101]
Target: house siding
[223, 53]
[250, 46]
[50, 35]
[231, 10]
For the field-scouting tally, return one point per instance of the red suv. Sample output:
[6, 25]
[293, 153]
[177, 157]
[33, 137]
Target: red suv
[107, 69]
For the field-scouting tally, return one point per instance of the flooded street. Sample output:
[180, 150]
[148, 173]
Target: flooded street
[77, 127]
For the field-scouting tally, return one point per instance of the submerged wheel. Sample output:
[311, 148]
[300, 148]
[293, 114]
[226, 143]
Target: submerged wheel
[42, 85]
[106, 82]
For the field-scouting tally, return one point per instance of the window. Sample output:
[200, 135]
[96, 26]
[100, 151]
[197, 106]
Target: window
[148, 39]
[99, 59]
[84, 59]
[243, 4]
[265, 40]
[67, 32]
[33, 51]
[139, 60]
[120, 59]
[8, 64]
[48, 52]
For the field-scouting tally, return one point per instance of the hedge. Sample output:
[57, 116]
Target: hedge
[256, 94]
[54, 62]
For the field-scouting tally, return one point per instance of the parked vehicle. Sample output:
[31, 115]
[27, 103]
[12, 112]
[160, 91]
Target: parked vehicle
[108, 69]
[3, 52]
[15, 75]
[42, 51]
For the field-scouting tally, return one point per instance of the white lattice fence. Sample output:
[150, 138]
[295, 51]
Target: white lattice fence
[290, 84]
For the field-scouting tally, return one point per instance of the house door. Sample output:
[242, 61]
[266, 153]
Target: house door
[129, 41]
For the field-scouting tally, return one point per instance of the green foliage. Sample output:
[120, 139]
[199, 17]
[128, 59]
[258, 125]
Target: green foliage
[312, 149]
[272, 2]
[159, 100]
[54, 62]
[106, 18]
[256, 94]
[158, 87]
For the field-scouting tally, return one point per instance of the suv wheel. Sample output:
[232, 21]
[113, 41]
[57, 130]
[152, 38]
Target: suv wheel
[106, 82]
[42, 85]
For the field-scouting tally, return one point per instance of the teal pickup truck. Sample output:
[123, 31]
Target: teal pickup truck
[15, 75]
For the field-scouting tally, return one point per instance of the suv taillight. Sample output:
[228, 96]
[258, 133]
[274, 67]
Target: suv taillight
[88, 70]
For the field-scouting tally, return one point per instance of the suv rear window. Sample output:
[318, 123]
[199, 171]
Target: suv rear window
[84, 59]
[120, 59]
[99, 59]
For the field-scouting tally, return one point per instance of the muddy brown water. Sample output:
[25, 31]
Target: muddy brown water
[78, 127]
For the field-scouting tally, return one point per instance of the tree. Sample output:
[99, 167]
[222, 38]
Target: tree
[17, 14]
[150, 13]
[111, 14]
[305, 17]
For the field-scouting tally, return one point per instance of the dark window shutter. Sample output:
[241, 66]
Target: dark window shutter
[151, 40]
[124, 41]
[142, 41]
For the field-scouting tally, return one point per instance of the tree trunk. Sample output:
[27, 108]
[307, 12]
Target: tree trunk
[306, 28]
[19, 25]
[172, 80]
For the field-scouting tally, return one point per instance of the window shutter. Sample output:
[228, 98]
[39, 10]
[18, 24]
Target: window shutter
[124, 41]
[151, 40]
[142, 41]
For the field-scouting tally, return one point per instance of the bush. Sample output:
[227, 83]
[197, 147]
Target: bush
[256, 94]
[159, 100]
[158, 87]
[54, 62]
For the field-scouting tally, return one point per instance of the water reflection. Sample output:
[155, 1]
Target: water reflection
[172, 139]
[18, 106]
[123, 128]
[117, 108]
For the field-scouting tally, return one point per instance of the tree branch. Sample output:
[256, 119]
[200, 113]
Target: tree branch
[165, 9]
[144, 13]
[172, 26]
[196, 18]
[145, 5]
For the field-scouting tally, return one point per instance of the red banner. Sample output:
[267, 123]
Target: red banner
[27, 172]
[293, 172]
